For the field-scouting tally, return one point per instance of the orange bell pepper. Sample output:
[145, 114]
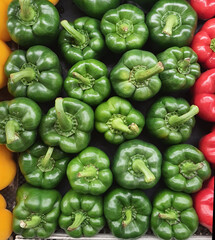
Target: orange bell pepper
[4, 35]
[54, 1]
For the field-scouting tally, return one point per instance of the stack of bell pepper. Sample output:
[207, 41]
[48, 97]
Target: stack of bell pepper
[61, 88]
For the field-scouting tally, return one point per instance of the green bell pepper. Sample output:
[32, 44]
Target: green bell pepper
[35, 74]
[33, 22]
[136, 75]
[180, 68]
[89, 172]
[185, 168]
[68, 125]
[171, 23]
[127, 212]
[19, 119]
[88, 81]
[81, 215]
[171, 119]
[124, 28]
[81, 40]
[118, 120]
[173, 216]
[137, 164]
[43, 166]
[36, 212]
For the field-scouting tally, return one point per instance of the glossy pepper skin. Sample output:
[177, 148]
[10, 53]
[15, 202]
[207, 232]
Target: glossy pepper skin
[89, 172]
[19, 120]
[127, 212]
[180, 69]
[171, 119]
[81, 40]
[33, 22]
[35, 73]
[184, 168]
[171, 23]
[204, 8]
[88, 81]
[124, 28]
[43, 166]
[36, 212]
[173, 216]
[137, 165]
[68, 125]
[81, 215]
[203, 204]
[118, 120]
[204, 44]
[136, 75]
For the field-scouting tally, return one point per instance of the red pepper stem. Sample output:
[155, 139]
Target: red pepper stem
[119, 125]
[82, 79]
[128, 218]
[33, 223]
[11, 129]
[45, 160]
[171, 22]
[212, 45]
[168, 216]
[88, 172]
[79, 218]
[27, 13]
[27, 74]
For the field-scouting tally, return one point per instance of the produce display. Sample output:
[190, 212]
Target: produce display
[107, 118]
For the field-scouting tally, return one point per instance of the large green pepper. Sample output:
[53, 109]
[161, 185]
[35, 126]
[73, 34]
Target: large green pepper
[136, 75]
[88, 81]
[36, 212]
[124, 28]
[171, 119]
[127, 212]
[185, 168]
[32, 22]
[173, 216]
[81, 215]
[180, 68]
[137, 164]
[35, 74]
[43, 166]
[19, 119]
[81, 40]
[118, 120]
[89, 172]
[171, 23]
[68, 125]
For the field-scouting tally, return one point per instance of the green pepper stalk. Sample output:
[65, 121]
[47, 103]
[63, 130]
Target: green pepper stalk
[11, 129]
[33, 223]
[171, 22]
[27, 73]
[128, 218]
[79, 218]
[27, 13]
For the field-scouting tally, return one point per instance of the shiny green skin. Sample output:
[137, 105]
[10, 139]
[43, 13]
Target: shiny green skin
[126, 154]
[31, 201]
[158, 126]
[46, 84]
[115, 204]
[84, 120]
[27, 114]
[136, 35]
[48, 177]
[176, 78]
[93, 48]
[99, 88]
[90, 206]
[96, 8]
[171, 168]
[42, 30]
[187, 223]
[115, 106]
[121, 77]
[182, 34]
[95, 185]
[145, 4]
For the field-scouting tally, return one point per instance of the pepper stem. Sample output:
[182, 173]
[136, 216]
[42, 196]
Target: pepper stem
[63, 119]
[34, 222]
[177, 120]
[128, 218]
[88, 172]
[45, 160]
[168, 216]
[124, 27]
[27, 73]
[119, 125]
[212, 45]
[145, 74]
[27, 13]
[190, 167]
[171, 22]
[79, 218]
[79, 38]
[81, 78]
[140, 166]
[11, 129]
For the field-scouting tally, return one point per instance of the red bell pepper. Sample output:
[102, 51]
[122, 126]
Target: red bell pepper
[203, 204]
[204, 44]
[204, 8]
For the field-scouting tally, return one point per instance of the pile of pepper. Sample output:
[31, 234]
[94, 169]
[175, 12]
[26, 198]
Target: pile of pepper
[66, 101]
